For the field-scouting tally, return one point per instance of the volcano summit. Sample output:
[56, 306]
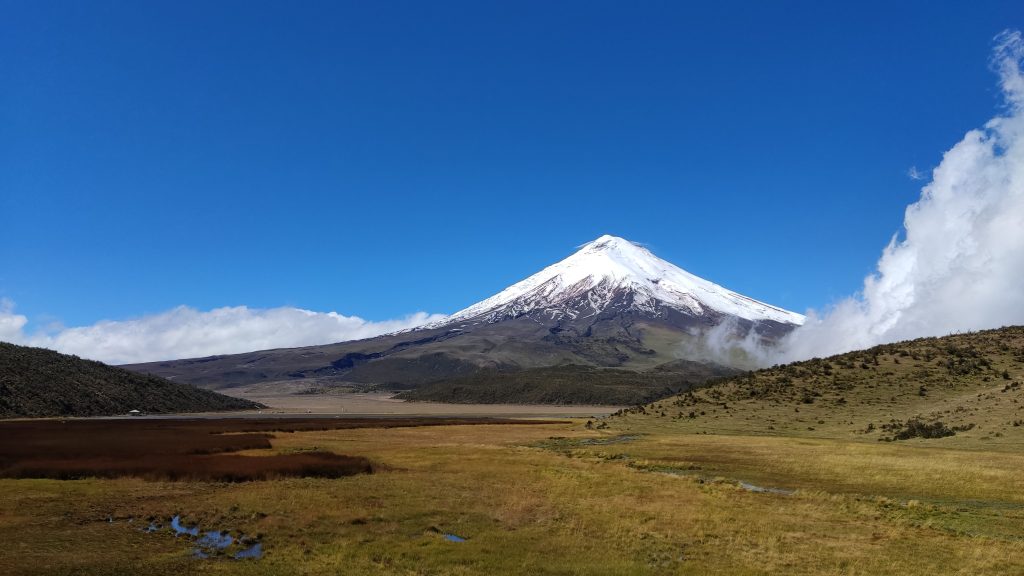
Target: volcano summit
[614, 274]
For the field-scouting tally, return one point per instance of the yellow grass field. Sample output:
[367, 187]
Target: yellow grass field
[551, 499]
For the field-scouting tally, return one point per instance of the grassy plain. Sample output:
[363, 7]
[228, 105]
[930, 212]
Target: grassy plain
[553, 498]
[809, 468]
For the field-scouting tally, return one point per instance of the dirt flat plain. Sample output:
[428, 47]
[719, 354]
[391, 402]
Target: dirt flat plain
[383, 403]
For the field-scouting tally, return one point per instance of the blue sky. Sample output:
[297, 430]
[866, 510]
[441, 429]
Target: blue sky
[382, 158]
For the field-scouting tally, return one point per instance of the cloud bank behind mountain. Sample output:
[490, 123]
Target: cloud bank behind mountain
[186, 332]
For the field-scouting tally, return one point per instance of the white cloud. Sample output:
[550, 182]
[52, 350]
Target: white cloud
[961, 264]
[914, 174]
[729, 343]
[11, 324]
[185, 332]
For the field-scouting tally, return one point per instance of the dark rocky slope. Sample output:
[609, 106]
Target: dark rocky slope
[38, 382]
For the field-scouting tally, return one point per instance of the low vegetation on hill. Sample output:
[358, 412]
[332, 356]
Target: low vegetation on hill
[572, 384]
[960, 385]
[36, 382]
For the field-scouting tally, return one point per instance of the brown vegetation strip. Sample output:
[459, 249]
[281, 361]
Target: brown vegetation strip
[195, 449]
[216, 468]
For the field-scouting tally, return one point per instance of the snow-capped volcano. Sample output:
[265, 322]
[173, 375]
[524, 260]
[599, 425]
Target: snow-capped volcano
[612, 273]
[611, 305]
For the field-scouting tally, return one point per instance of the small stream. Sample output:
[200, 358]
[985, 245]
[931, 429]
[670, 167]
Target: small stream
[763, 490]
[694, 472]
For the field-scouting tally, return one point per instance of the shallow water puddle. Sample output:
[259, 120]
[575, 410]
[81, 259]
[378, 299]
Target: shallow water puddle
[254, 551]
[212, 542]
[446, 535]
[215, 539]
[180, 529]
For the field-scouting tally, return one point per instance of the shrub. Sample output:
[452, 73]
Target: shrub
[917, 428]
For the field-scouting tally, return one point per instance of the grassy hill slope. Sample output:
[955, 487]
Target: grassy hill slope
[955, 390]
[571, 384]
[38, 382]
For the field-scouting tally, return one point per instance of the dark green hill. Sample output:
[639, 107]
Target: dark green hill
[37, 382]
[571, 384]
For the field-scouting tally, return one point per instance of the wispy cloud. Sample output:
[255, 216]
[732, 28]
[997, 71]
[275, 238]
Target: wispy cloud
[961, 264]
[185, 332]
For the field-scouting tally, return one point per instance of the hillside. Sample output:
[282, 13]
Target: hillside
[36, 382]
[956, 389]
[571, 384]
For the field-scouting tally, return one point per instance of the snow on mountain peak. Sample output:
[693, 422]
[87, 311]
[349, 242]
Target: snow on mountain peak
[591, 278]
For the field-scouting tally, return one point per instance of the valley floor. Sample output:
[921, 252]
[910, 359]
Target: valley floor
[553, 498]
[281, 399]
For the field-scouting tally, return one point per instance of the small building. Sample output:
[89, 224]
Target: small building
[134, 413]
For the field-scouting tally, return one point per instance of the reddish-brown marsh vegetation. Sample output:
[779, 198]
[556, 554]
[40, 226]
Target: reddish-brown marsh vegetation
[186, 449]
